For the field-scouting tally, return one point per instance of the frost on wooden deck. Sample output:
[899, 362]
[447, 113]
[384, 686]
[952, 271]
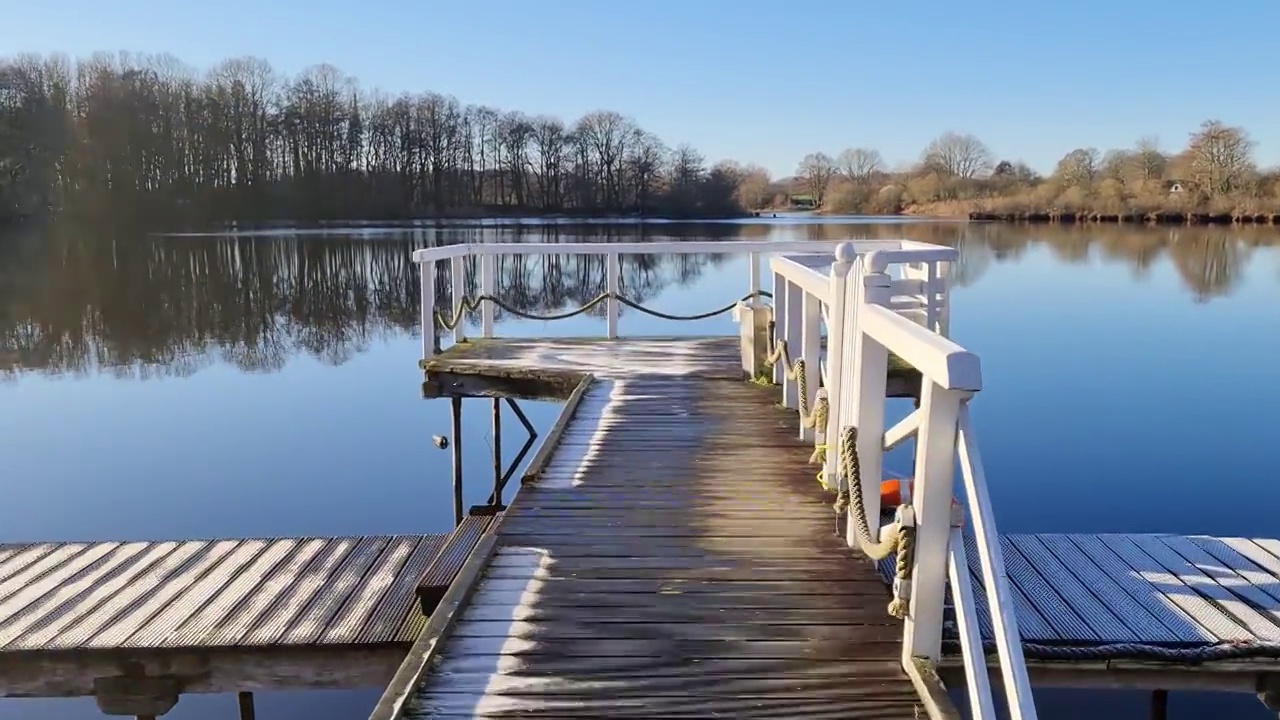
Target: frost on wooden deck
[540, 368]
[1169, 591]
[218, 614]
[674, 559]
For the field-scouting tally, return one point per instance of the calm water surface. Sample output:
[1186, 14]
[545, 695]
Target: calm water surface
[266, 384]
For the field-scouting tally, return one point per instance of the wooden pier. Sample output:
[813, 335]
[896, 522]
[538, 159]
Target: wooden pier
[671, 556]
[136, 624]
[691, 544]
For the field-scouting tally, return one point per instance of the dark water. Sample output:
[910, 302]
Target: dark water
[266, 384]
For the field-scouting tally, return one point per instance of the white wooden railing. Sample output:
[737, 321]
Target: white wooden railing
[906, 315]
[872, 298]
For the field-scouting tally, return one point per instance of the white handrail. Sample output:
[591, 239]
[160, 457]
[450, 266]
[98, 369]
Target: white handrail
[936, 357]
[943, 429]
[1004, 620]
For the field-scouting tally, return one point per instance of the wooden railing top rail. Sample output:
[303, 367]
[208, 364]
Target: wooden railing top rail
[937, 358]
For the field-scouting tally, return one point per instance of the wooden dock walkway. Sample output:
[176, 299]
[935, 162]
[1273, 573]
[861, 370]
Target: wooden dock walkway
[207, 615]
[674, 558]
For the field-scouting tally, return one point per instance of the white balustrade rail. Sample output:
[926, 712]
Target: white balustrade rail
[873, 298]
[879, 320]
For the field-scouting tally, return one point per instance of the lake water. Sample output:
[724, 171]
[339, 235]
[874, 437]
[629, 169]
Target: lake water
[266, 384]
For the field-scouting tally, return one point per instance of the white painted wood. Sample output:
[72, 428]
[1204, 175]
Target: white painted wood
[613, 273]
[488, 287]
[870, 372]
[753, 267]
[938, 358]
[458, 278]
[904, 430]
[836, 379]
[880, 260]
[794, 331]
[931, 500]
[811, 351]
[981, 704]
[810, 280]
[427, 286]
[779, 289]
[1004, 620]
[944, 298]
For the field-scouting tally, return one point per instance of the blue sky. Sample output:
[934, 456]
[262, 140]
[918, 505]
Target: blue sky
[753, 80]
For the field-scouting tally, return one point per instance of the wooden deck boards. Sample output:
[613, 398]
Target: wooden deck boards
[1180, 592]
[675, 559]
[550, 368]
[211, 594]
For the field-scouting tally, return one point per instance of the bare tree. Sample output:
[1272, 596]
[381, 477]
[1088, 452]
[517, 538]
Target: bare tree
[817, 170]
[955, 155]
[860, 164]
[1220, 157]
[1078, 168]
[753, 187]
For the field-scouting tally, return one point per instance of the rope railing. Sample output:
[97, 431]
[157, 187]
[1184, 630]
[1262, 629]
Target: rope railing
[468, 304]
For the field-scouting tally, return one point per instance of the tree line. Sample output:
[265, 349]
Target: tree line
[1214, 174]
[151, 136]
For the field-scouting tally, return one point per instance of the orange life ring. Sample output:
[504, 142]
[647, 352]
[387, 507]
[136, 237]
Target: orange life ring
[891, 494]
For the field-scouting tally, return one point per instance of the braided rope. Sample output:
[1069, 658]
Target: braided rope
[469, 304]
[817, 419]
[900, 537]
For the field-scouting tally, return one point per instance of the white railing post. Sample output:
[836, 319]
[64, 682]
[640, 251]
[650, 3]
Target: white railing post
[613, 273]
[976, 675]
[779, 290]
[811, 351]
[944, 298]
[753, 267]
[794, 330]
[427, 285]
[458, 279]
[1004, 620]
[488, 288]
[870, 378]
[842, 308]
[931, 500]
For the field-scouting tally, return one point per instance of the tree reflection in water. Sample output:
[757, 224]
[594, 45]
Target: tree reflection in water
[84, 299]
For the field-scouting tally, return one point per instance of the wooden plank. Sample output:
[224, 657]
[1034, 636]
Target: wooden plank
[445, 566]
[1043, 597]
[1258, 567]
[586, 579]
[1170, 589]
[541, 457]
[405, 682]
[688, 628]
[1194, 578]
[177, 595]
[1179, 623]
[1095, 595]
[1081, 598]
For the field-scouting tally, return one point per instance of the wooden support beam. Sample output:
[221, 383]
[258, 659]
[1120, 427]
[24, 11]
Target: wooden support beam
[245, 700]
[456, 419]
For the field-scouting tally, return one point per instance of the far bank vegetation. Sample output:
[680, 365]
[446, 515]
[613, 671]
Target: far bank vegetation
[1213, 177]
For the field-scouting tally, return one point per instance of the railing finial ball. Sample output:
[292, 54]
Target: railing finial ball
[845, 252]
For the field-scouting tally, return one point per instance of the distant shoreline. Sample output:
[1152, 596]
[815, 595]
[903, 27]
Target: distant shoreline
[1160, 218]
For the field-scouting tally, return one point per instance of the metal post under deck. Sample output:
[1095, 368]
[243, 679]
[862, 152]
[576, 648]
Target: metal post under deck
[497, 451]
[456, 412]
[245, 700]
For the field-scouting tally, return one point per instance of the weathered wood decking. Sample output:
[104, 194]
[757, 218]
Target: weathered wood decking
[1179, 592]
[542, 368]
[210, 615]
[674, 558]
